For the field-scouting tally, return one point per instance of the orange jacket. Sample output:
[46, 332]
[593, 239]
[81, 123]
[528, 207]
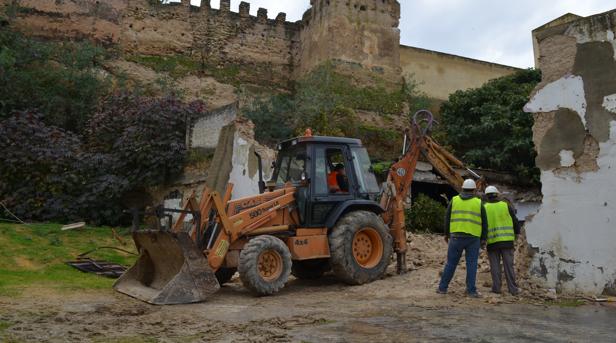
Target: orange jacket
[332, 181]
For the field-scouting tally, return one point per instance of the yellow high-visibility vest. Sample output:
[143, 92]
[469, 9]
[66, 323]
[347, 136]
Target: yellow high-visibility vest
[465, 216]
[500, 223]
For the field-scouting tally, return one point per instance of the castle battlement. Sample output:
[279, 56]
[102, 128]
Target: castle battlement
[184, 7]
[358, 35]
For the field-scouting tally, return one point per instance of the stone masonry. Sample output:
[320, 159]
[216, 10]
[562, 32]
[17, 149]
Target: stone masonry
[274, 50]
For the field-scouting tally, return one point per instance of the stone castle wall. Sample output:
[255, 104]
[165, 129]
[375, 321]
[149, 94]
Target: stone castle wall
[358, 36]
[216, 37]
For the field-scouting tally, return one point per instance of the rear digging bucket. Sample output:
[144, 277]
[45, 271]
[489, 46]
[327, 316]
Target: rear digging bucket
[170, 270]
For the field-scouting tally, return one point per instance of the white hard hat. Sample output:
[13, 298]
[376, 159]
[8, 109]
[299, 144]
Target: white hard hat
[469, 184]
[492, 190]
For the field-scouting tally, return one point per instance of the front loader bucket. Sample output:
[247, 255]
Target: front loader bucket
[170, 270]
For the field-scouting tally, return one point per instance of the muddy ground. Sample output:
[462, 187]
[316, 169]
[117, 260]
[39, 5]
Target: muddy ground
[395, 309]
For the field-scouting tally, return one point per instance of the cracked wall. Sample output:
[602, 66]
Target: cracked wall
[573, 233]
[235, 161]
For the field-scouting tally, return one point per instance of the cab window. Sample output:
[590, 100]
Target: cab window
[363, 167]
[291, 165]
[331, 176]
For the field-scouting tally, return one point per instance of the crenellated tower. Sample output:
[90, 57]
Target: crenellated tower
[360, 37]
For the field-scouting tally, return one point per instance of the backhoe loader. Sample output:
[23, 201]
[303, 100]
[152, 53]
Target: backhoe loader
[306, 221]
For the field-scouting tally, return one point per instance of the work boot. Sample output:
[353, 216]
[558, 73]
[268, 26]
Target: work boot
[475, 295]
[439, 291]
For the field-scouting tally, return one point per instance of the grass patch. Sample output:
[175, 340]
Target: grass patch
[176, 65]
[3, 326]
[566, 302]
[34, 256]
[198, 155]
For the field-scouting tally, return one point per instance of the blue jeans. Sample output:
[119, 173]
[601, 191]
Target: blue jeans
[471, 246]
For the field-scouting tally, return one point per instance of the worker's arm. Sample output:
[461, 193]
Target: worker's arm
[446, 227]
[484, 223]
[516, 222]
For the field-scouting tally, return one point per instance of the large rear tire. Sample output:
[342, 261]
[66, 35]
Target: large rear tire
[265, 265]
[361, 248]
[310, 269]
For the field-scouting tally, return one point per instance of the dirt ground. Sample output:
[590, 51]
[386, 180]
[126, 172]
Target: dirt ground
[395, 309]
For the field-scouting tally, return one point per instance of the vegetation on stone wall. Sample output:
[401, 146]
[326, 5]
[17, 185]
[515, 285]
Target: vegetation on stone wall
[63, 80]
[488, 128]
[174, 65]
[328, 103]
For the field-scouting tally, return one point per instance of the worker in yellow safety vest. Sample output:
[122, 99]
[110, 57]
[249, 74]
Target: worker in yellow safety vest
[465, 231]
[503, 229]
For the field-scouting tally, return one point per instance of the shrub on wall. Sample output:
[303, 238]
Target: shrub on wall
[273, 118]
[488, 128]
[52, 174]
[58, 79]
[145, 136]
[327, 102]
[37, 178]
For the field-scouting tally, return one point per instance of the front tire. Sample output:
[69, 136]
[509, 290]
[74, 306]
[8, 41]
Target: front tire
[265, 265]
[361, 248]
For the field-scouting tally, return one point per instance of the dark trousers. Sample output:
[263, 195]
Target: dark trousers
[470, 246]
[495, 257]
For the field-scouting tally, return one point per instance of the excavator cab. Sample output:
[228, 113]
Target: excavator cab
[330, 174]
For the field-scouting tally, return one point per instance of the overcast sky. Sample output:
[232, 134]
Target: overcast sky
[491, 30]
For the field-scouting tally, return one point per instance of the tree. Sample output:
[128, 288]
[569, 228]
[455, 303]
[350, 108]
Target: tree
[134, 142]
[488, 128]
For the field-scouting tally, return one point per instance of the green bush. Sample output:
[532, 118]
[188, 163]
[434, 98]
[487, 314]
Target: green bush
[175, 65]
[324, 89]
[488, 128]
[58, 79]
[273, 118]
[425, 215]
[52, 174]
[326, 102]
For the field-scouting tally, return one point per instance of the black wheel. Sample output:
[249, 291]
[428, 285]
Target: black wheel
[265, 265]
[361, 248]
[310, 269]
[224, 275]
